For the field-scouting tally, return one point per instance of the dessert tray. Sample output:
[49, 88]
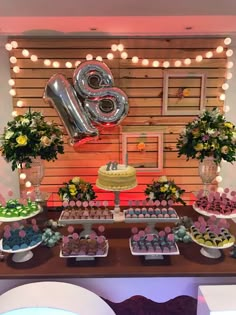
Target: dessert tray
[152, 255]
[216, 214]
[211, 251]
[14, 219]
[87, 257]
[20, 255]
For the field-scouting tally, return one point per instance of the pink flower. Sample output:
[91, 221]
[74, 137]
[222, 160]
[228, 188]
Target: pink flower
[75, 236]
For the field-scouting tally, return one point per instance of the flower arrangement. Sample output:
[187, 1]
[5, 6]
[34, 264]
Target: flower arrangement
[29, 136]
[164, 189]
[77, 189]
[210, 134]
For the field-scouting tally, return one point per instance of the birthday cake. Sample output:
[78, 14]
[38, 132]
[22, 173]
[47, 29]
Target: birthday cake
[116, 177]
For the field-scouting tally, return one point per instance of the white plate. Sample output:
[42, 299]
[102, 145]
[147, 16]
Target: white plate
[87, 256]
[84, 221]
[14, 219]
[19, 250]
[213, 247]
[208, 214]
[153, 253]
[149, 220]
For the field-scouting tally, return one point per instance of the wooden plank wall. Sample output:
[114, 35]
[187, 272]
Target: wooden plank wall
[143, 85]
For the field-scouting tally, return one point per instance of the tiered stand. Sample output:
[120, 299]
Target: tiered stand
[25, 254]
[210, 251]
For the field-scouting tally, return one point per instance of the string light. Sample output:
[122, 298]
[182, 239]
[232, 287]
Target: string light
[220, 190]
[229, 75]
[16, 69]
[230, 64]
[199, 58]
[187, 61]
[145, 62]
[8, 47]
[11, 82]
[229, 53]
[14, 113]
[98, 58]
[227, 41]
[55, 64]
[178, 63]
[166, 64]
[209, 54]
[77, 63]
[110, 56]
[23, 176]
[25, 53]
[226, 108]
[219, 179]
[155, 63]
[13, 59]
[225, 86]
[28, 184]
[14, 44]
[120, 47]
[47, 62]
[34, 58]
[222, 97]
[68, 64]
[124, 55]
[12, 92]
[219, 49]
[89, 57]
[135, 59]
[114, 47]
[19, 103]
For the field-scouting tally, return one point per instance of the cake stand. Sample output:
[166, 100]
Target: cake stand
[153, 255]
[207, 213]
[14, 219]
[20, 255]
[211, 251]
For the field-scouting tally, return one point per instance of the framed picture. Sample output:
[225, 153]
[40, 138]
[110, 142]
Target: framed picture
[183, 93]
[143, 150]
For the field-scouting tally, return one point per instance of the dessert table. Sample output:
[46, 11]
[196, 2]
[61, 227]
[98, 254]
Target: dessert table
[127, 274]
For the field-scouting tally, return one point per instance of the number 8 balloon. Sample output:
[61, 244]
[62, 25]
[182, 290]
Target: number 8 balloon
[104, 104]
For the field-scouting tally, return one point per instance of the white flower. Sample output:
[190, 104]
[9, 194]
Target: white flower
[151, 195]
[162, 179]
[25, 121]
[9, 134]
[210, 131]
[45, 141]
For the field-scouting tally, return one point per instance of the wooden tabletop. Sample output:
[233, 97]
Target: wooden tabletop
[46, 262]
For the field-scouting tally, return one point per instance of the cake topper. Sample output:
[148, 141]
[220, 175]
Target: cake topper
[112, 166]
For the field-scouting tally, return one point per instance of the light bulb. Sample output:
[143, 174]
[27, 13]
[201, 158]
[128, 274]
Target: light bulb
[47, 62]
[218, 169]
[225, 86]
[14, 44]
[13, 59]
[220, 190]
[135, 59]
[145, 62]
[124, 55]
[55, 64]
[12, 92]
[99, 58]
[226, 108]
[110, 56]
[219, 49]
[19, 103]
[166, 64]
[227, 41]
[16, 69]
[209, 54]
[11, 82]
[22, 176]
[222, 97]
[178, 63]
[68, 64]
[28, 184]
[120, 47]
[187, 61]
[219, 179]
[34, 58]
[25, 53]
[89, 57]
[114, 47]
[77, 63]
[8, 46]
[229, 75]
[199, 58]
[155, 63]
[230, 64]
[14, 113]
[229, 53]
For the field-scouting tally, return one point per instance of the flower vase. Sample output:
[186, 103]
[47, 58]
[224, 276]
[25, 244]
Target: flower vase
[34, 175]
[207, 171]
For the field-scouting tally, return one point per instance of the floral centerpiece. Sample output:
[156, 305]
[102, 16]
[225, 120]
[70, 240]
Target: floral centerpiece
[164, 189]
[77, 189]
[208, 135]
[29, 136]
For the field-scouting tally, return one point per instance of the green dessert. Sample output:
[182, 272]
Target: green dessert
[14, 209]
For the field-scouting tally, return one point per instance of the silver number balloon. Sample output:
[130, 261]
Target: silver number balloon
[61, 95]
[105, 104]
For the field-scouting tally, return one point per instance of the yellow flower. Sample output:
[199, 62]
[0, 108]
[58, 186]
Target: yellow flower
[195, 132]
[22, 140]
[199, 147]
[45, 141]
[163, 189]
[173, 190]
[162, 179]
[224, 149]
[72, 187]
[228, 124]
[75, 180]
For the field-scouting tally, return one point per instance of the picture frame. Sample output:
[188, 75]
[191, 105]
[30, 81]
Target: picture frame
[148, 158]
[183, 93]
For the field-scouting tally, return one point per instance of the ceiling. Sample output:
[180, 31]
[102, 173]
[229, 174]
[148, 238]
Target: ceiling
[117, 18]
